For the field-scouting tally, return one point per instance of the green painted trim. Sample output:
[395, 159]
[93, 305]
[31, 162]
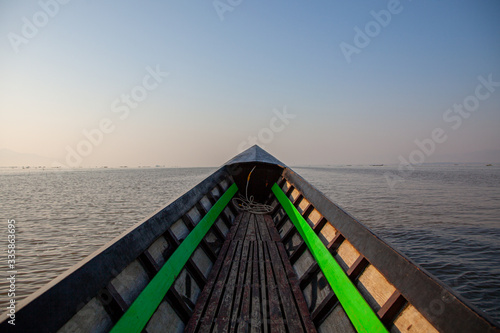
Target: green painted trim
[359, 312]
[143, 308]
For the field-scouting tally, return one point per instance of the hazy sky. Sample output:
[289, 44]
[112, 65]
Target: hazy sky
[322, 82]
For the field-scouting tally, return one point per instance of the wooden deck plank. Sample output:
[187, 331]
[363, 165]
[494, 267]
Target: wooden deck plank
[291, 314]
[244, 316]
[239, 288]
[275, 313]
[263, 283]
[208, 319]
[256, 289]
[297, 293]
[241, 227]
[222, 323]
[275, 236]
[205, 294]
[255, 320]
[263, 228]
[212, 278]
[251, 229]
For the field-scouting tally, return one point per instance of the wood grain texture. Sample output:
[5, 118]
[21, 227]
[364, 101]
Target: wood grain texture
[255, 288]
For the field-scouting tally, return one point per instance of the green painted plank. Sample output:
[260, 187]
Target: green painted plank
[359, 312]
[141, 310]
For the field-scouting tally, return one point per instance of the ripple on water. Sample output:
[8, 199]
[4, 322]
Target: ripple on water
[444, 218]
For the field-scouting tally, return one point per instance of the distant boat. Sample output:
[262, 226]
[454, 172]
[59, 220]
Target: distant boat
[489, 164]
[253, 247]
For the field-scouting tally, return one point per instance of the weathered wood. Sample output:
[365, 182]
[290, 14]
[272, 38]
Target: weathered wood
[240, 285]
[262, 277]
[275, 236]
[347, 253]
[223, 215]
[374, 287]
[358, 310]
[207, 290]
[299, 297]
[209, 316]
[191, 266]
[204, 245]
[131, 282]
[324, 308]
[307, 211]
[281, 182]
[91, 315]
[298, 199]
[215, 229]
[289, 234]
[227, 300]
[196, 273]
[146, 302]
[391, 308]
[290, 311]
[298, 252]
[355, 270]
[244, 317]
[230, 205]
[250, 235]
[282, 222]
[411, 320]
[256, 289]
[112, 302]
[317, 228]
[337, 321]
[48, 309]
[148, 263]
[406, 277]
[257, 299]
[270, 198]
[177, 303]
[314, 269]
[289, 192]
[316, 291]
[164, 317]
[241, 227]
[306, 278]
[264, 227]
[275, 310]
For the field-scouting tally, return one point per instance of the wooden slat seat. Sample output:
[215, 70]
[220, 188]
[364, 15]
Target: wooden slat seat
[252, 286]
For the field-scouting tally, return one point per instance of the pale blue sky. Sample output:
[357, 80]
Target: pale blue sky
[227, 76]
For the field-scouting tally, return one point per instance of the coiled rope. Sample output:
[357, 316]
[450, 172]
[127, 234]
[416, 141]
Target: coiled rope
[248, 204]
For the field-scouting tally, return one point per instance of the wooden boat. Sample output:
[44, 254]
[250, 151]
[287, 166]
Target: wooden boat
[211, 263]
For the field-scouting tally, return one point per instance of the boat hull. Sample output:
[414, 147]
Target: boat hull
[165, 273]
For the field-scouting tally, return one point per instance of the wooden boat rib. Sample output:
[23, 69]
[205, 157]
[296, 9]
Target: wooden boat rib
[203, 265]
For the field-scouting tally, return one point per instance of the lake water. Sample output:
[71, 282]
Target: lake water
[446, 218]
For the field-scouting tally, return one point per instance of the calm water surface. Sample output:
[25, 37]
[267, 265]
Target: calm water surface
[445, 218]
